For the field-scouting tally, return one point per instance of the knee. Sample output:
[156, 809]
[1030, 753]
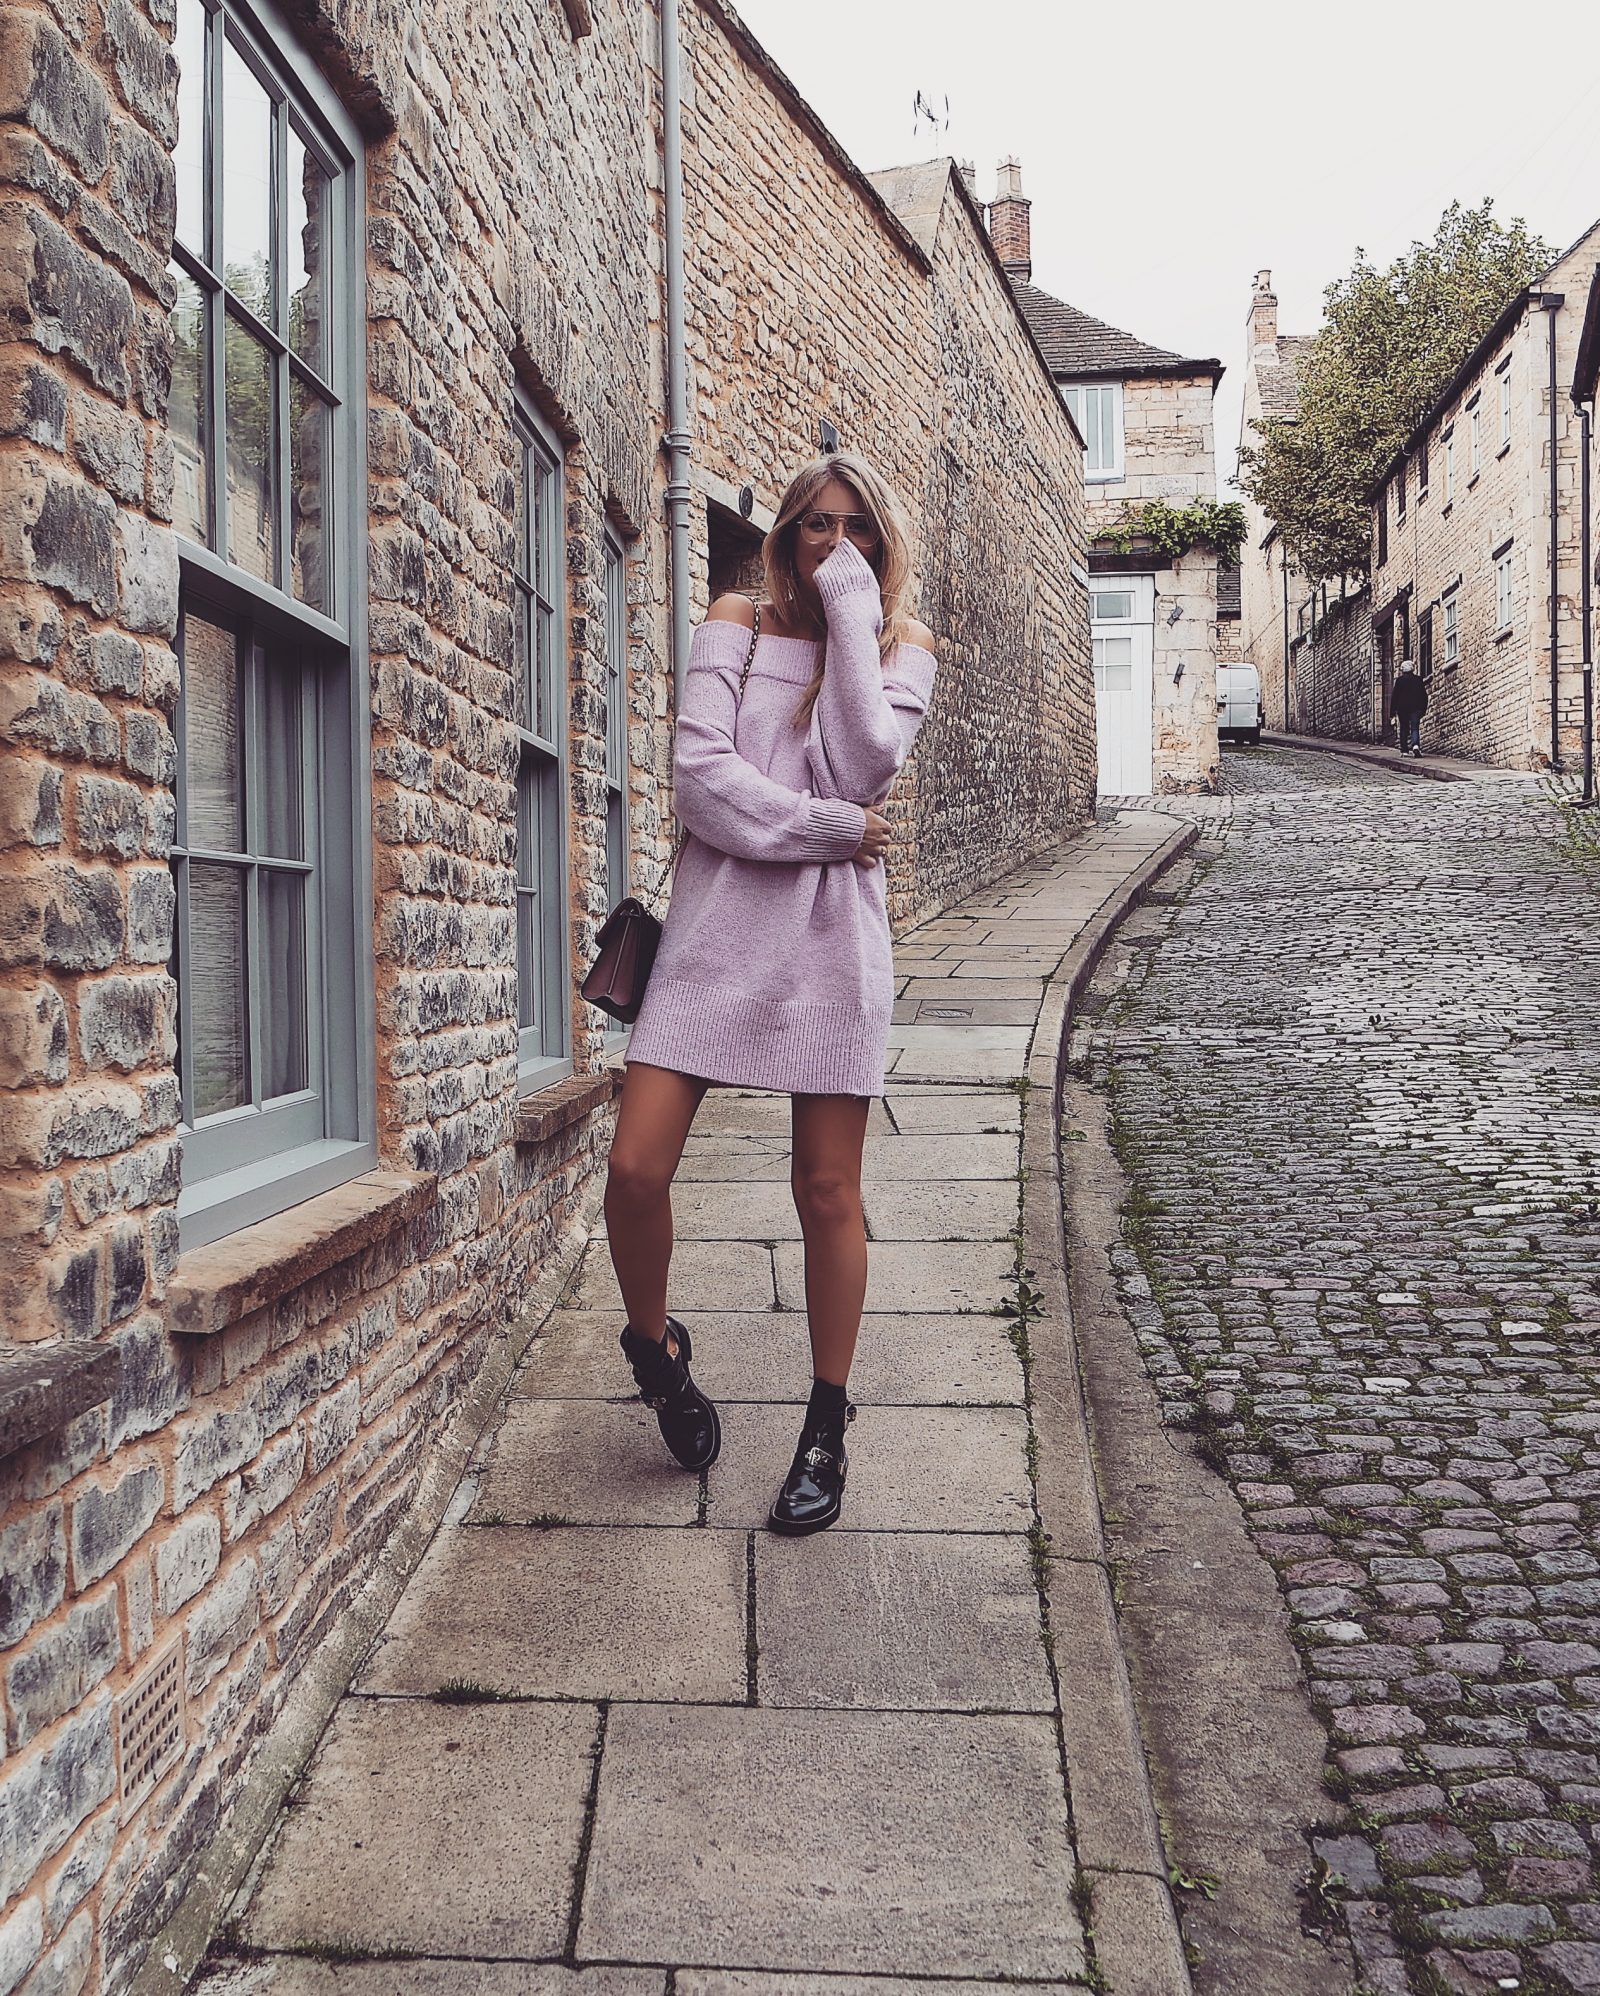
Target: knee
[826, 1199]
[634, 1178]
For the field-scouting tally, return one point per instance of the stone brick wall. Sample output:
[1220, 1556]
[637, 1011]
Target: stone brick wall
[1333, 687]
[881, 306]
[1494, 704]
[282, 1392]
[266, 1435]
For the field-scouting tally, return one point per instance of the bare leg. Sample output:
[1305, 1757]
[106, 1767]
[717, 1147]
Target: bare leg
[829, 1131]
[653, 1123]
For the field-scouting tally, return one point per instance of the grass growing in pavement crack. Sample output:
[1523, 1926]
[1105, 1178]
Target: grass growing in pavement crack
[469, 1691]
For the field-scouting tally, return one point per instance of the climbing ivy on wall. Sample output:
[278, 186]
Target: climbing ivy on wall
[1173, 530]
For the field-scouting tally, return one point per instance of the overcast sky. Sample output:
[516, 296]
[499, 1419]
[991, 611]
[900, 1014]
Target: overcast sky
[1171, 151]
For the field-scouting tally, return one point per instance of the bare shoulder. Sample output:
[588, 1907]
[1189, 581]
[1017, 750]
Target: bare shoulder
[919, 634]
[732, 609]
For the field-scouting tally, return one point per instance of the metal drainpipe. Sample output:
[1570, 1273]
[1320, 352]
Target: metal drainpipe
[1288, 725]
[1552, 302]
[1585, 533]
[678, 435]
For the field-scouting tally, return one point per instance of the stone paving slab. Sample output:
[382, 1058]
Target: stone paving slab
[937, 1159]
[974, 1111]
[302, 1975]
[955, 1007]
[726, 1160]
[583, 1462]
[392, 1823]
[566, 1613]
[941, 1062]
[974, 1212]
[924, 1360]
[913, 1275]
[725, 1982]
[899, 1622]
[934, 985]
[710, 1275]
[711, 1212]
[913, 1469]
[787, 1839]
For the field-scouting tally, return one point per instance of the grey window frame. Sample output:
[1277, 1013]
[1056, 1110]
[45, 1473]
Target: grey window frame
[543, 930]
[246, 1165]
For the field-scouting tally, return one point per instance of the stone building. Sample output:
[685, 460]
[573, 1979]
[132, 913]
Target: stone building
[1477, 551]
[335, 667]
[1305, 661]
[1145, 414]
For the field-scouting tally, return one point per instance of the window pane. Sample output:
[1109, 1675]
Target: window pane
[216, 988]
[246, 185]
[308, 455]
[520, 557]
[522, 627]
[544, 639]
[252, 507]
[283, 983]
[213, 786]
[527, 892]
[281, 763]
[187, 413]
[1113, 665]
[541, 528]
[189, 155]
[1114, 604]
[303, 252]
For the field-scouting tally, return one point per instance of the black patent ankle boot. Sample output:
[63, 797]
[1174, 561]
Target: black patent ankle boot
[812, 1496]
[688, 1421]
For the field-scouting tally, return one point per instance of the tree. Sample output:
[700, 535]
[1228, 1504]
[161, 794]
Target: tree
[1389, 343]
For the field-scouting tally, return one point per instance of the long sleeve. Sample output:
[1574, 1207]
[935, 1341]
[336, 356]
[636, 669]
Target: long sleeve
[869, 709]
[727, 802]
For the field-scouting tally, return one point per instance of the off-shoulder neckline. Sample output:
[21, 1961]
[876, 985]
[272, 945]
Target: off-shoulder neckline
[779, 638]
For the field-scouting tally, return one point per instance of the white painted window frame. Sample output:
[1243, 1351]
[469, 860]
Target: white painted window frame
[1073, 393]
[1502, 590]
[1450, 603]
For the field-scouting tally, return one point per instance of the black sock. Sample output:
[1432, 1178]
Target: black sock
[826, 1398]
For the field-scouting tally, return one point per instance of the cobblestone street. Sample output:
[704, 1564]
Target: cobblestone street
[1354, 1068]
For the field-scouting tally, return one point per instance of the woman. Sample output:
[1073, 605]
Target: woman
[775, 969]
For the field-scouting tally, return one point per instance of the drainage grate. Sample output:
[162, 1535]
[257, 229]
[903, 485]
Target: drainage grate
[150, 1725]
[944, 1012]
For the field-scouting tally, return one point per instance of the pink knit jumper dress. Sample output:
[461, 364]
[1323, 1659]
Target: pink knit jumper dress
[775, 969]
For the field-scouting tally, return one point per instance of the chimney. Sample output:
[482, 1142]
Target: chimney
[1263, 313]
[969, 173]
[1009, 228]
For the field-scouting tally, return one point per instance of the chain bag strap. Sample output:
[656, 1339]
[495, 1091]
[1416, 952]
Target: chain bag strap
[631, 935]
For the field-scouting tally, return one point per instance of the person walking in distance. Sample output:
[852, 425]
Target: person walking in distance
[775, 968]
[1408, 702]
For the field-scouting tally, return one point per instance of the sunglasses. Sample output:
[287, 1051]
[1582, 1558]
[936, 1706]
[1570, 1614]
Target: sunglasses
[817, 527]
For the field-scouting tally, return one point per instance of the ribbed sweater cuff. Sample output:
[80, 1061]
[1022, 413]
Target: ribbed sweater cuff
[854, 579]
[834, 829]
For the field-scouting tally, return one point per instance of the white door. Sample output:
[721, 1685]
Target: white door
[1122, 625]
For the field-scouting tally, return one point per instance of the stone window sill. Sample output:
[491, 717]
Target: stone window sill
[43, 1387]
[547, 1111]
[1503, 633]
[216, 1285]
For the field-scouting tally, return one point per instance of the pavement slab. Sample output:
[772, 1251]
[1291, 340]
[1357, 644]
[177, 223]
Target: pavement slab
[922, 1359]
[779, 1840]
[570, 1613]
[912, 1469]
[583, 1462]
[387, 1847]
[899, 1622]
[302, 1975]
[916, 1275]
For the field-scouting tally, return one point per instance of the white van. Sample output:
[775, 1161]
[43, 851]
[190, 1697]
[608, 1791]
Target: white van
[1240, 714]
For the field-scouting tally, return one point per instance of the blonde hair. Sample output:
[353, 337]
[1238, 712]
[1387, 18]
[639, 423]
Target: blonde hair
[891, 559]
